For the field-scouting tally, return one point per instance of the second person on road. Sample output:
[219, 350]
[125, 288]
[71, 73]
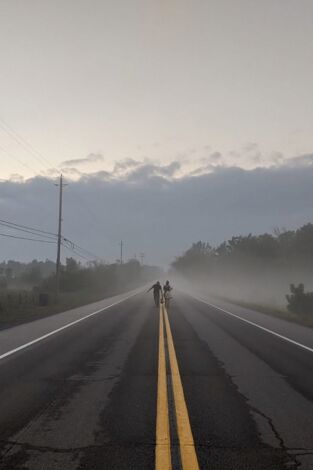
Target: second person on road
[157, 292]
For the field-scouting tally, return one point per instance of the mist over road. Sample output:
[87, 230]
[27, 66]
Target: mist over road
[125, 385]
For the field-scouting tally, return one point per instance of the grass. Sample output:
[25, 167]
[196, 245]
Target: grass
[13, 312]
[275, 312]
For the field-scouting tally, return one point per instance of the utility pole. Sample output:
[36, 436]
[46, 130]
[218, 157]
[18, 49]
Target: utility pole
[142, 256]
[121, 259]
[58, 262]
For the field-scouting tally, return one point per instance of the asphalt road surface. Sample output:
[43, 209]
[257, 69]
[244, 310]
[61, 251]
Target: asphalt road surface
[122, 384]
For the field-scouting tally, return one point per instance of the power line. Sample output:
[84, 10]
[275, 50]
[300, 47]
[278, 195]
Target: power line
[8, 129]
[40, 157]
[25, 238]
[8, 222]
[23, 143]
[83, 250]
[69, 244]
[50, 242]
[9, 154]
[49, 237]
[73, 246]
[75, 252]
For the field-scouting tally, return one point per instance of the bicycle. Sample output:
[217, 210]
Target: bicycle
[167, 298]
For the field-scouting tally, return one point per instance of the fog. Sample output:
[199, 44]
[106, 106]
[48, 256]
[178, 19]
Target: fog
[253, 269]
[263, 286]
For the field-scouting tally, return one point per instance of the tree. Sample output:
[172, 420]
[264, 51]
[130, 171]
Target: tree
[300, 302]
[32, 276]
[71, 265]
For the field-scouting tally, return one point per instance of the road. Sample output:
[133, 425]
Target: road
[124, 385]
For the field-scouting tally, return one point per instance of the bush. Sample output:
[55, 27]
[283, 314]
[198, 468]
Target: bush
[300, 302]
[3, 283]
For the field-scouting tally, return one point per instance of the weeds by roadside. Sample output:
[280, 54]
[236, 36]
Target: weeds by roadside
[284, 314]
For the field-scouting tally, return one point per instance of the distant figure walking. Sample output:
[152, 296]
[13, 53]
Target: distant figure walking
[157, 293]
[167, 294]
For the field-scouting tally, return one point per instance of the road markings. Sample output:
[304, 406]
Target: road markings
[68, 325]
[163, 444]
[274, 333]
[186, 443]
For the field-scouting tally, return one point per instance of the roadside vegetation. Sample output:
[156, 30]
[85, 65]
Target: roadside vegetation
[27, 291]
[257, 271]
[300, 303]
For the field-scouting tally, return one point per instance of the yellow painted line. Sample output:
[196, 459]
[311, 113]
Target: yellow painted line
[163, 442]
[187, 447]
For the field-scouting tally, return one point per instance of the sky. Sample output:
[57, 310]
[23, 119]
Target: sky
[158, 215]
[151, 97]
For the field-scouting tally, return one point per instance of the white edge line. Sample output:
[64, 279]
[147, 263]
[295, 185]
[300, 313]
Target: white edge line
[307, 348]
[51, 333]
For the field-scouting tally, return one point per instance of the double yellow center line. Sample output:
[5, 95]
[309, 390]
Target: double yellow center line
[188, 455]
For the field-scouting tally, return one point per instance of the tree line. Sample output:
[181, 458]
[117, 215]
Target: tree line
[27, 290]
[254, 267]
[93, 276]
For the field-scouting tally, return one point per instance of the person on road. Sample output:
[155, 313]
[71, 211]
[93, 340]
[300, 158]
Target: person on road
[167, 287]
[157, 292]
[167, 293]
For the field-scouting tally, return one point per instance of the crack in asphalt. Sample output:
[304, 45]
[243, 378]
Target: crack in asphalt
[303, 453]
[272, 426]
[26, 446]
[282, 444]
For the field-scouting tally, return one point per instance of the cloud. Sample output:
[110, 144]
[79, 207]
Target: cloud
[157, 212]
[191, 162]
[126, 165]
[215, 157]
[133, 171]
[300, 161]
[91, 158]
[72, 172]
[17, 178]
[202, 170]
[152, 171]
[251, 147]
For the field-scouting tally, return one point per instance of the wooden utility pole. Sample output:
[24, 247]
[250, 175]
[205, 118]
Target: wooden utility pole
[121, 259]
[58, 262]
